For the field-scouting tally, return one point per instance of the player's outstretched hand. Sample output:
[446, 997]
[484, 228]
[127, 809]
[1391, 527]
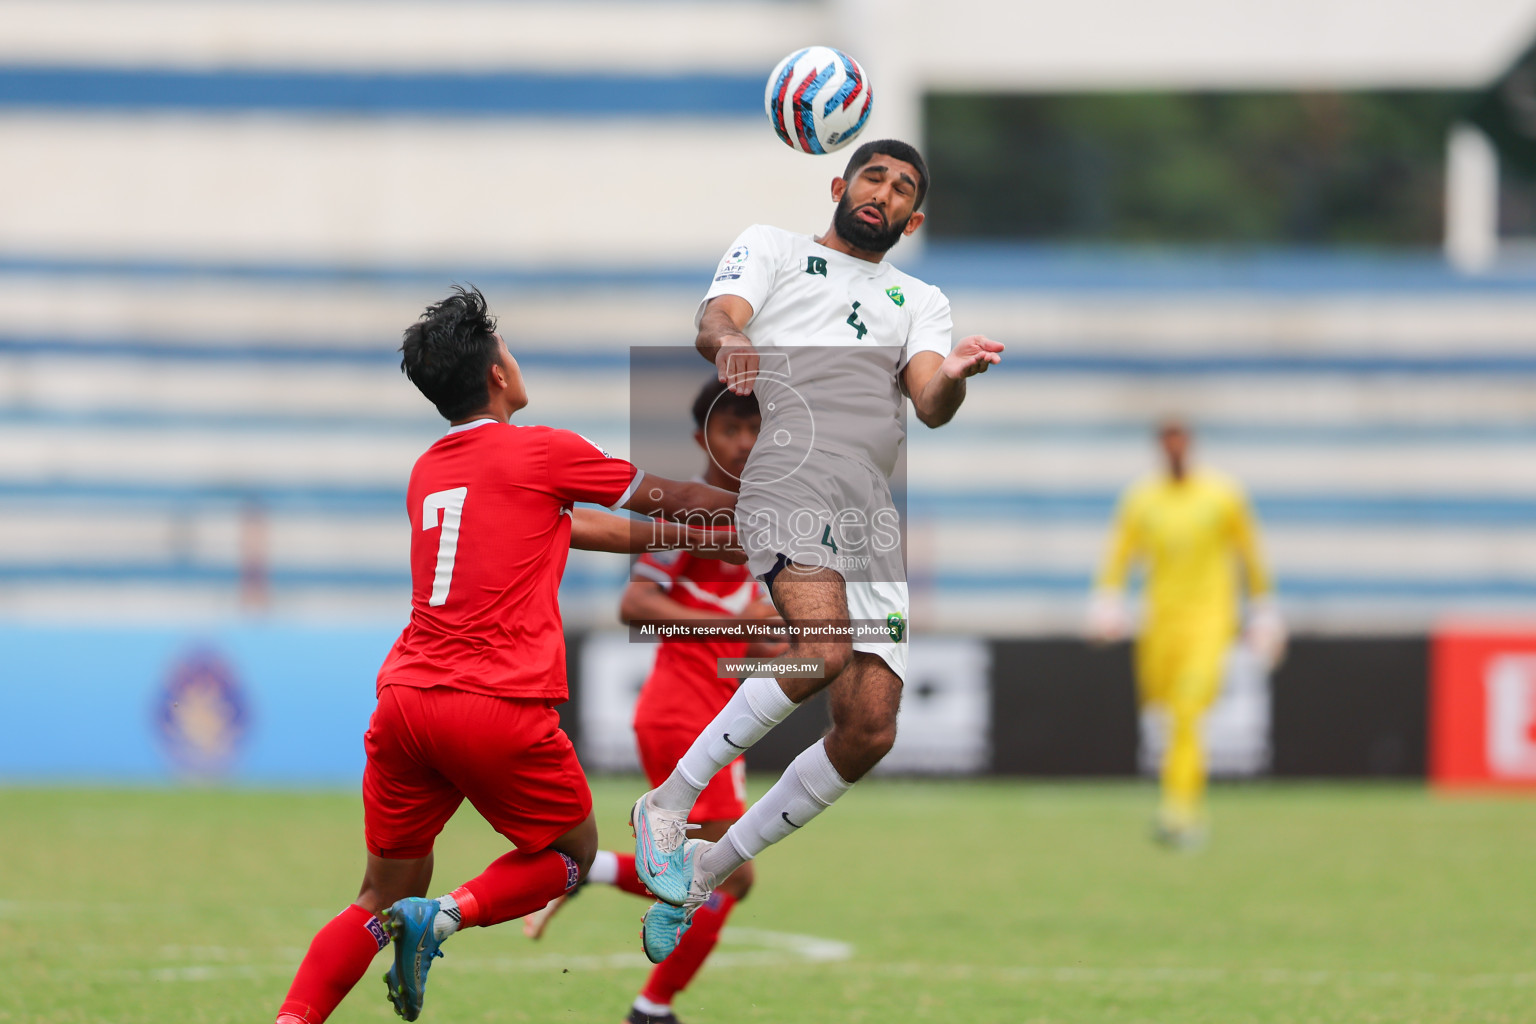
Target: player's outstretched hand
[971, 356]
[736, 363]
[720, 544]
[1266, 633]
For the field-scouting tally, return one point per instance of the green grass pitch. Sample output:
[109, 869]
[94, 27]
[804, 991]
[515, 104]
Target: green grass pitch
[973, 902]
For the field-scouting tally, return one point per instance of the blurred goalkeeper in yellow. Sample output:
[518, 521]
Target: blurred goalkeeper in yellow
[1194, 532]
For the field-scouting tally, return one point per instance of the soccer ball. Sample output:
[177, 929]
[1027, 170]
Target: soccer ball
[818, 99]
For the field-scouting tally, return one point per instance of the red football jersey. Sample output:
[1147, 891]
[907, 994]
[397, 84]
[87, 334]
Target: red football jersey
[682, 688]
[489, 507]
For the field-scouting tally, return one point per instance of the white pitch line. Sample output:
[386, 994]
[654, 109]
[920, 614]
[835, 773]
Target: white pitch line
[765, 948]
[932, 972]
[1204, 975]
[775, 949]
[810, 948]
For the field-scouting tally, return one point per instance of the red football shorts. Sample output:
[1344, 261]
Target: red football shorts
[429, 748]
[724, 799]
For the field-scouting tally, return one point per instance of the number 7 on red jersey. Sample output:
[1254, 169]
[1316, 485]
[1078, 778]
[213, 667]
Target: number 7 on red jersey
[451, 504]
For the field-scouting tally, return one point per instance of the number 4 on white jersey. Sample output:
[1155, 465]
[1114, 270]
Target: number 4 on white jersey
[451, 504]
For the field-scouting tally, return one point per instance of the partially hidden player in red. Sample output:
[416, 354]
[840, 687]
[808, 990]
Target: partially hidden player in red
[467, 695]
[683, 694]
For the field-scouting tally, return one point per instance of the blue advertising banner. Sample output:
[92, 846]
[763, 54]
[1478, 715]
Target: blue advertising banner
[249, 704]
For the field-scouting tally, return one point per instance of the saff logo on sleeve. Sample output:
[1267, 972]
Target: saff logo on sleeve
[735, 262]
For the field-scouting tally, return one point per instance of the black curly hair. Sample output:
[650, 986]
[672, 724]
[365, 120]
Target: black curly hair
[715, 396]
[448, 350]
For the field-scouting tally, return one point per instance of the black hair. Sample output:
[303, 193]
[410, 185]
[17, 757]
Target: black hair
[448, 350]
[894, 148]
[715, 396]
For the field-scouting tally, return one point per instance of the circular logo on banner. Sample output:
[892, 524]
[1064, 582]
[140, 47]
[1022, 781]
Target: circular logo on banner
[202, 713]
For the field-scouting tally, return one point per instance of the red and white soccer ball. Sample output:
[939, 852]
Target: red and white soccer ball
[818, 99]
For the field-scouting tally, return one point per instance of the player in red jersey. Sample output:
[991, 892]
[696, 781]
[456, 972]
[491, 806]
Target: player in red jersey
[683, 694]
[467, 695]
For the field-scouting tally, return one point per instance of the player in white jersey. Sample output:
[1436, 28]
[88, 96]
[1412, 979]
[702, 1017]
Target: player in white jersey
[833, 340]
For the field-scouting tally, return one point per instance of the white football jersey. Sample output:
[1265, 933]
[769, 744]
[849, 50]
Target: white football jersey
[835, 332]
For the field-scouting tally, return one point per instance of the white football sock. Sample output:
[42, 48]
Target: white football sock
[758, 705]
[447, 920]
[652, 1009]
[809, 786]
[605, 868]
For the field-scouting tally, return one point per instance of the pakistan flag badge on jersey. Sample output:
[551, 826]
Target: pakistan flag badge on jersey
[894, 291]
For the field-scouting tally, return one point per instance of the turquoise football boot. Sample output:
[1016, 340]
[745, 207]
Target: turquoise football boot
[664, 855]
[409, 923]
[662, 928]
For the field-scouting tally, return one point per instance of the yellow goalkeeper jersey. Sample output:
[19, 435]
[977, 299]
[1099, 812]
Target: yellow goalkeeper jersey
[1193, 536]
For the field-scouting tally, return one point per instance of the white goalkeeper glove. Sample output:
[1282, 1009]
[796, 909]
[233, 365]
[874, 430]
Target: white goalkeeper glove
[1266, 631]
[1108, 617]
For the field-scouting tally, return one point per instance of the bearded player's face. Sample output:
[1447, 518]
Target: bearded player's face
[876, 206]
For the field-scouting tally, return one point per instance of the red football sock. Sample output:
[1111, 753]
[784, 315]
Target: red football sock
[336, 960]
[674, 973]
[627, 879]
[514, 886]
